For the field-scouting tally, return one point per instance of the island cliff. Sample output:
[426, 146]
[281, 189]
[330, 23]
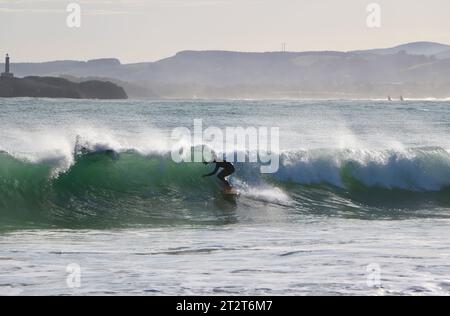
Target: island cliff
[53, 87]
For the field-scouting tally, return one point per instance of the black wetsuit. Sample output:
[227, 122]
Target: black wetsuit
[227, 167]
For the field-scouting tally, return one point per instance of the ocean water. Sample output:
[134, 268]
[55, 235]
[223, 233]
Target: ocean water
[360, 204]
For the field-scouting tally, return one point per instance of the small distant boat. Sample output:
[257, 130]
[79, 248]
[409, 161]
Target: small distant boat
[389, 98]
[401, 98]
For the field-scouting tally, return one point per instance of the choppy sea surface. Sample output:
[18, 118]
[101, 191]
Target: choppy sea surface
[91, 201]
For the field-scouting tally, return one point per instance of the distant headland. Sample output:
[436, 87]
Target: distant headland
[412, 70]
[54, 87]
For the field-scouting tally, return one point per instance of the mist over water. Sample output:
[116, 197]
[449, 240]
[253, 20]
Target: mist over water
[343, 165]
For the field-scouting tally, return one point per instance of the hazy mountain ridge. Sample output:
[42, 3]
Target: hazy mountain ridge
[416, 48]
[419, 69]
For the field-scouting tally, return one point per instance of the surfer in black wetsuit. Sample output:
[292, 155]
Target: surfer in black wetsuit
[227, 167]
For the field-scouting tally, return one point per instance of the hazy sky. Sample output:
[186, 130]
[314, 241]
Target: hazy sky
[145, 30]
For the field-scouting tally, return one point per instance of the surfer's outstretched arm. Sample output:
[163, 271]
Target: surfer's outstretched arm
[212, 173]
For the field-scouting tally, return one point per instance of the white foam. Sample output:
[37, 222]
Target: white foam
[57, 146]
[268, 194]
[412, 169]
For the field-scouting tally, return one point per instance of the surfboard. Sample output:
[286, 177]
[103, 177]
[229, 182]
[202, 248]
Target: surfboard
[230, 191]
[227, 191]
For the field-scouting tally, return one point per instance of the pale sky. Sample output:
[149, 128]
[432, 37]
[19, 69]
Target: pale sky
[148, 30]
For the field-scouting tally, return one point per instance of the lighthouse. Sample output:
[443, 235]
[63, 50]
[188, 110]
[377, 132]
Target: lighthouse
[7, 74]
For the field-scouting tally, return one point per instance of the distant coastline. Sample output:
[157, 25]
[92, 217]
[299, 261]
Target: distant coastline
[54, 87]
[411, 71]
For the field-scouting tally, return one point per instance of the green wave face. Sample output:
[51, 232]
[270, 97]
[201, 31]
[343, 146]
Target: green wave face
[99, 189]
[109, 189]
[24, 188]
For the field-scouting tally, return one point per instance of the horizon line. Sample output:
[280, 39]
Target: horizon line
[221, 50]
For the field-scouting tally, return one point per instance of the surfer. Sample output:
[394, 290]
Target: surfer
[227, 167]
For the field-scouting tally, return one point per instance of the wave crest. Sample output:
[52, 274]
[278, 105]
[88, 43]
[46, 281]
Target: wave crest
[418, 169]
[108, 186]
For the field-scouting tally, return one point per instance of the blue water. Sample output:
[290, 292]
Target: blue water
[361, 184]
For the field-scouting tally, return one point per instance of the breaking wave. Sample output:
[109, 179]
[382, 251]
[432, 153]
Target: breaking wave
[110, 187]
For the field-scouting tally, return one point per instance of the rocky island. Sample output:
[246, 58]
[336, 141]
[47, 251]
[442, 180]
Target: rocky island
[54, 87]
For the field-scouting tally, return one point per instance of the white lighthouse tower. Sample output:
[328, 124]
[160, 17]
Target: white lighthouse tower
[7, 74]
